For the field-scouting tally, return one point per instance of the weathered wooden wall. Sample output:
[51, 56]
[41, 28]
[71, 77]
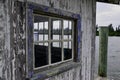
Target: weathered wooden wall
[13, 38]
[12, 41]
[88, 38]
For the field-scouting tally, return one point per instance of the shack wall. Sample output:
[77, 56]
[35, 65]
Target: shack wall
[13, 38]
[88, 38]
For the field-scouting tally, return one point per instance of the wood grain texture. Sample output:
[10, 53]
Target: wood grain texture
[13, 51]
[88, 38]
[103, 49]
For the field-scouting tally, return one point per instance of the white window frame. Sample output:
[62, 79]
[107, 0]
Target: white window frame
[49, 41]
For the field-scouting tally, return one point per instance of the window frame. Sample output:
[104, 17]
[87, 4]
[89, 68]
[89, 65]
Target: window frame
[50, 40]
[35, 8]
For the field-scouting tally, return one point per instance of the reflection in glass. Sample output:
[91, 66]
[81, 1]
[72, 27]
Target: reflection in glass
[67, 26]
[41, 44]
[56, 52]
[36, 36]
[56, 29]
[41, 55]
[60, 35]
[70, 29]
[40, 37]
[35, 26]
[40, 25]
[41, 28]
[67, 50]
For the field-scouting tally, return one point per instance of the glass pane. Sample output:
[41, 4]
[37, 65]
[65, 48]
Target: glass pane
[70, 29]
[40, 37]
[35, 26]
[36, 36]
[56, 52]
[67, 26]
[41, 27]
[45, 44]
[66, 29]
[41, 54]
[56, 29]
[45, 37]
[40, 43]
[45, 30]
[67, 50]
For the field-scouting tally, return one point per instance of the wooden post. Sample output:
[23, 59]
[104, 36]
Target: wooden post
[103, 45]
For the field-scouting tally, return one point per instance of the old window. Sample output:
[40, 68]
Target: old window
[53, 40]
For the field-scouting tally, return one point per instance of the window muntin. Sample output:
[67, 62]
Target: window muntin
[55, 35]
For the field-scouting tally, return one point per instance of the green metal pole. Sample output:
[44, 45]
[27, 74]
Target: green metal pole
[103, 46]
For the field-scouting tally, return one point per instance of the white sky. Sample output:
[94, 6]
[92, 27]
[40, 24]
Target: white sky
[107, 14]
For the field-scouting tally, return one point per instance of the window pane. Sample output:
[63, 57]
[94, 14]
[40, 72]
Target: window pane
[56, 29]
[35, 26]
[67, 26]
[41, 54]
[67, 50]
[46, 31]
[70, 29]
[66, 29]
[41, 27]
[40, 31]
[43, 44]
[56, 52]
[36, 36]
[40, 44]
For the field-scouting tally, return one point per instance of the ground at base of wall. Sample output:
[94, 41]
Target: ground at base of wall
[101, 78]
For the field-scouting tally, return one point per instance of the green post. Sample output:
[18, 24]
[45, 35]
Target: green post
[103, 45]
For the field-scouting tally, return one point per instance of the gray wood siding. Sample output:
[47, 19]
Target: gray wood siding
[12, 41]
[73, 74]
[88, 38]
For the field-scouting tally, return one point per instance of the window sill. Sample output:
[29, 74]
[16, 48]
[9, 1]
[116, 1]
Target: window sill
[55, 71]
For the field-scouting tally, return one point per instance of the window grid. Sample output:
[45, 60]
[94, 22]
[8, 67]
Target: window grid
[49, 41]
